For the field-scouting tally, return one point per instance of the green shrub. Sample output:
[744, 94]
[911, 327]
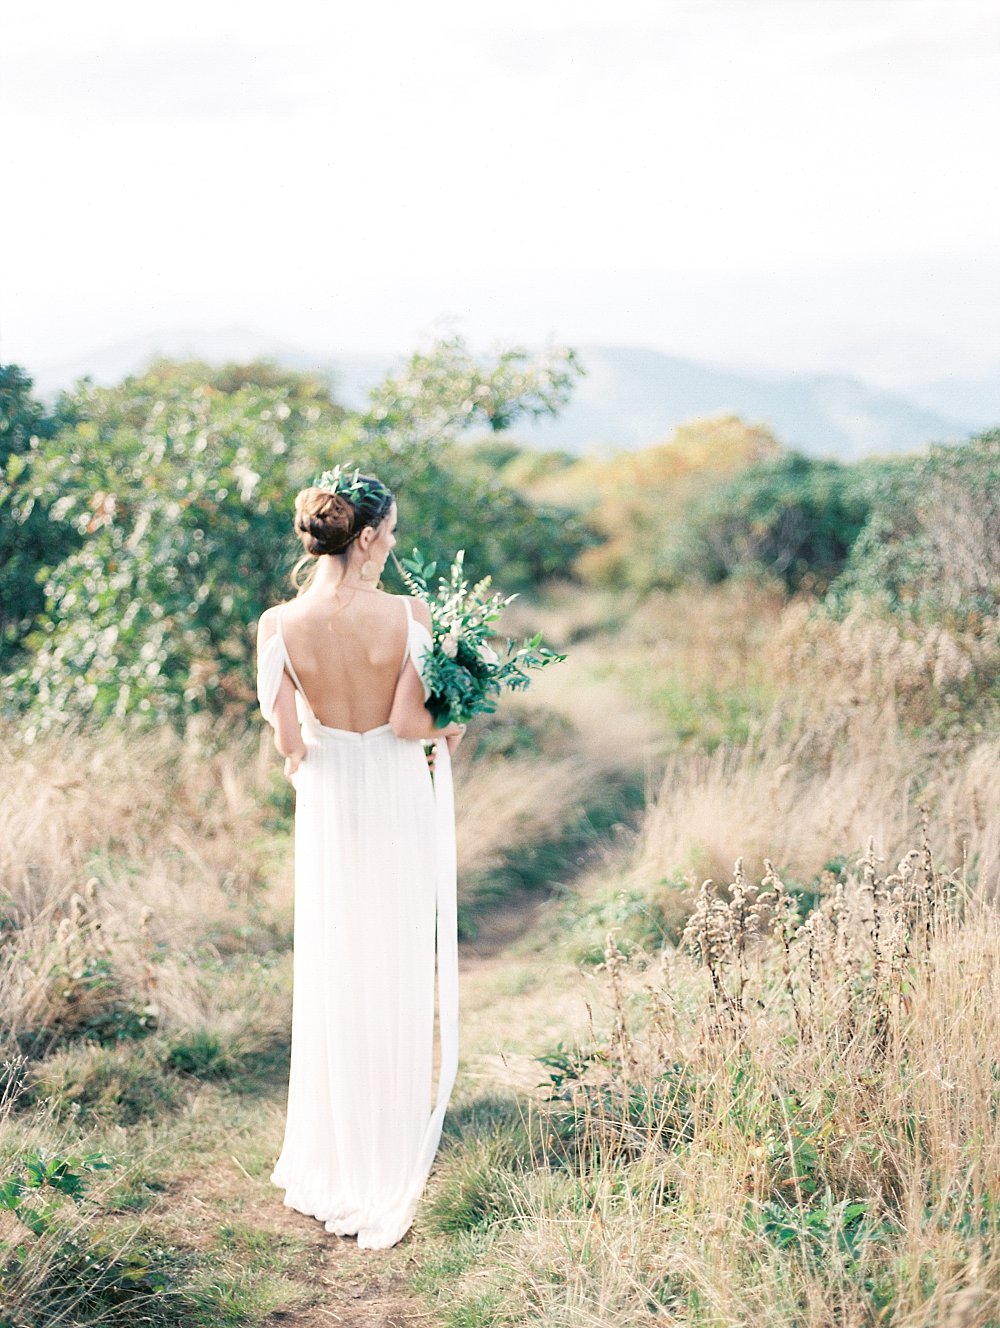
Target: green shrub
[792, 518]
[638, 500]
[35, 1185]
[595, 1117]
[122, 1084]
[931, 545]
[65, 1270]
[638, 922]
[202, 1055]
[178, 491]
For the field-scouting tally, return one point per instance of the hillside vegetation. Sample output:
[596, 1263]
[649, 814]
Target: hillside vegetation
[728, 876]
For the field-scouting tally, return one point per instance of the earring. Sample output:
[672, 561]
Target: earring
[368, 572]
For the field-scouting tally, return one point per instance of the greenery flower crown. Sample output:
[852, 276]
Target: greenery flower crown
[356, 488]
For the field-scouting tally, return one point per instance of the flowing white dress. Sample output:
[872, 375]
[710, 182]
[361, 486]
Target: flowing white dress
[374, 890]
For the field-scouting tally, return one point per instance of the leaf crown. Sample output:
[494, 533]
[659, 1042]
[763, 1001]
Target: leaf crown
[362, 491]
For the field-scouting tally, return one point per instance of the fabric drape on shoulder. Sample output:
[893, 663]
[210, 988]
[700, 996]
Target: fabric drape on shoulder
[270, 667]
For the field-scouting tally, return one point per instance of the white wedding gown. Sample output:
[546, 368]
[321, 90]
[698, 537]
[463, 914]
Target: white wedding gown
[374, 888]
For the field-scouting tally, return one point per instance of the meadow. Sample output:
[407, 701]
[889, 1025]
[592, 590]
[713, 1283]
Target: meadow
[769, 1096]
[728, 875]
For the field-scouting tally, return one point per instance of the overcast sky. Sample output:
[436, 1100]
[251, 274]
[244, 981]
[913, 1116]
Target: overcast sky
[783, 183]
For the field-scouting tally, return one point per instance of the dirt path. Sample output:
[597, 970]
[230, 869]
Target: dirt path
[352, 1287]
[501, 928]
[369, 1288]
[228, 1186]
[362, 1292]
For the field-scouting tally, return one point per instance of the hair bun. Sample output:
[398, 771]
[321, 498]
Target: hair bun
[324, 521]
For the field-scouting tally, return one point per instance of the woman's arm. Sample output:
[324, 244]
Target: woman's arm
[285, 720]
[410, 717]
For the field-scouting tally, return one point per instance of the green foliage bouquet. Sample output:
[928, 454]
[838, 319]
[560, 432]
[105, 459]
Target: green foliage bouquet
[463, 671]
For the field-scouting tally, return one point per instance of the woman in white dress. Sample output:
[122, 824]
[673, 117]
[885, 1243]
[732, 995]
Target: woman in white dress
[339, 680]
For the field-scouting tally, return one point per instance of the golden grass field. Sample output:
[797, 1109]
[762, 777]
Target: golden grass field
[768, 1099]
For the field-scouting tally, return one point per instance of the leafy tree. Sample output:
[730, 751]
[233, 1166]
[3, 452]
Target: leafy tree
[448, 500]
[29, 537]
[177, 486]
[453, 495]
[518, 466]
[445, 391]
[178, 491]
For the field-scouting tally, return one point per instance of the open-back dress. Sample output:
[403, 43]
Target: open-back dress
[374, 898]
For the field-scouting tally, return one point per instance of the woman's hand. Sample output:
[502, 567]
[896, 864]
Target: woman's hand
[293, 762]
[453, 735]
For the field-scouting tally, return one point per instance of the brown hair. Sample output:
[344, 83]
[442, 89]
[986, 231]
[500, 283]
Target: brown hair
[328, 522]
[324, 521]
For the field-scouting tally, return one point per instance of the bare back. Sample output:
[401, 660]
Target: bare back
[347, 653]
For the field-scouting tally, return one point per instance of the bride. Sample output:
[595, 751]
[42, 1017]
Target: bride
[339, 679]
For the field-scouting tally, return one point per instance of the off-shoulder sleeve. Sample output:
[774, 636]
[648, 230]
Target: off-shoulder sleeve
[421, 644]
[270, 667]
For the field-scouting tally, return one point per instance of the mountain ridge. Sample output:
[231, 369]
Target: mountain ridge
[629, 396]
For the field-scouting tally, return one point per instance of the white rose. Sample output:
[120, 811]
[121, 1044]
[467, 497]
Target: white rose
[488, 654]
[449, 645]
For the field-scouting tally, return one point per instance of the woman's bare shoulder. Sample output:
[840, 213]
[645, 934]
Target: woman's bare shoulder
[421, 611]
[418, 606]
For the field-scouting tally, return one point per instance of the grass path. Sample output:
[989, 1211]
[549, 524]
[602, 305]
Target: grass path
[217, 1195]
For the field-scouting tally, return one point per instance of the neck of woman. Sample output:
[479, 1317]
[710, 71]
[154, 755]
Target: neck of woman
[335, 572]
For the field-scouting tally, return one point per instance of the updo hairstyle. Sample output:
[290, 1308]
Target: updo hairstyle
[329, 522]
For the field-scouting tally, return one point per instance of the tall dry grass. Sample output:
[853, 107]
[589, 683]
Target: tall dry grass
[160, 822]
[522, 800]
[779, 1122]
[925, 674]
[137, 868]
[817, 795]
[132, 868]
[870, 723]
[791, 1117]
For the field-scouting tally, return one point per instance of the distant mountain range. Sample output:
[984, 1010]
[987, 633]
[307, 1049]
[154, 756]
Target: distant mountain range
[630, 396]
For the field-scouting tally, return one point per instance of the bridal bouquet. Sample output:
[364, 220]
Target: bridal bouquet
[463, 671]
